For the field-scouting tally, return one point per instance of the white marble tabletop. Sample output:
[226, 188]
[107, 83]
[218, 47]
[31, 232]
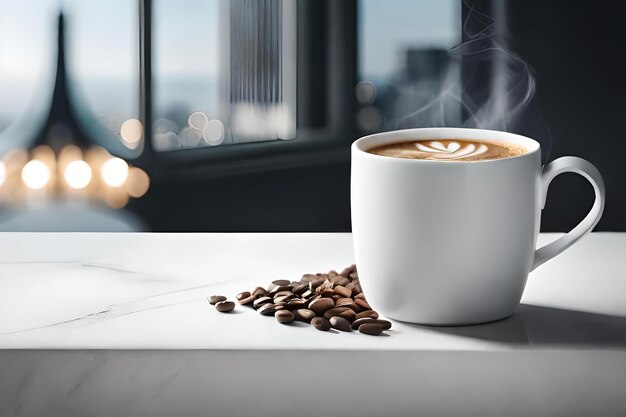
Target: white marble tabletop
[91, 307]
[148, 291]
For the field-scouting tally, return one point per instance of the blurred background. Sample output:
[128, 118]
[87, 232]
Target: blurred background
[237, 115]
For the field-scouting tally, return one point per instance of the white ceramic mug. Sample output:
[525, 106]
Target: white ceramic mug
[452, 243]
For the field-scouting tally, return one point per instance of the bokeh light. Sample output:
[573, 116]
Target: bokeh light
[114, 172]
[189, 138]
[100, 176]
[35, 174]
[214, 132]
[138, 182]
[166, 141]
[77, 174]
[15, 159]
[365, 92]
[131, 132]
[198, 120]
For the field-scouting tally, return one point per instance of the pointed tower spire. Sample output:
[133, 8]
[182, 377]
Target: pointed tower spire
[61, 127]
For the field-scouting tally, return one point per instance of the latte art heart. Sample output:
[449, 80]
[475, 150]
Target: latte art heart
[454, 150]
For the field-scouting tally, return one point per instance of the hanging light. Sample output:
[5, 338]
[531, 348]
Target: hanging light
[64, 165]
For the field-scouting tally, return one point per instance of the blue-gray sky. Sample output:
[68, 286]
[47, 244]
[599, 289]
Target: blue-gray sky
[387, 28]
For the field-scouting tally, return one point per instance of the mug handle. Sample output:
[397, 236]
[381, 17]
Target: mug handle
[587, 170]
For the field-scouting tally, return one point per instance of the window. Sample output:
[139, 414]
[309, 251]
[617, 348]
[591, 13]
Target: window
[229, 72]
[404, 65]
[223, 72]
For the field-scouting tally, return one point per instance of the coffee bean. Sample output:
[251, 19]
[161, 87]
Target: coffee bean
[282, 293]
[247, 301]
[214, 299]
[320, 323]
[313, 298]
[344, 282]
[281, 282]
[334, 311]
[307, 294]
[367, 313]
[225, 306]
[340, 323]
[344, 302]
[316, 282]
[267, 309]
[348, 315]
[284, 298]
[296, 304]
[360, 295]
[354, 275]
[342, 291]
[260, 301]
[321, 305]
[304, 314]
[300, 288]
[356, 308]
[335, 278]
[383, 323]
[284, 316]
[276, 290]
[372, 329]
[308, 278]
[259, 292]
[327, 292]
[326, 285]
[362, 303]
[243, 295]
[356, 323]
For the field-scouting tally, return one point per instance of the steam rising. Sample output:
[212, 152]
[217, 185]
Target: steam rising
[484, 85]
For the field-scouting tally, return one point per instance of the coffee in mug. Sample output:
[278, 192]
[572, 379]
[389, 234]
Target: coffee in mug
[449, 150]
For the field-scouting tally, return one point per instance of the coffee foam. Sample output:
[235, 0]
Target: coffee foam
[454, 150]
[449, 150]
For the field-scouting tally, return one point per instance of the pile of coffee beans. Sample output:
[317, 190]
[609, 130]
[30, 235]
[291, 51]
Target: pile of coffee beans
[331, 300]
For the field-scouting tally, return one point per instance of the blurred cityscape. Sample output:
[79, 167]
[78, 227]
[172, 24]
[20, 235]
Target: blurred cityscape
[403, 71]
[400, 71]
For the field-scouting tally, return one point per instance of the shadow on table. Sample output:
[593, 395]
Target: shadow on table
[537, 326]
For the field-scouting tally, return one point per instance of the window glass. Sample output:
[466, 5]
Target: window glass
[27, 50]
[103, 66]
[404, 65]
[223, 72]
